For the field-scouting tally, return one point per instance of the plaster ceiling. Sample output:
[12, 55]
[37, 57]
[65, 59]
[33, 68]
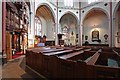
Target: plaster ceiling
[94, 13]
[44, 11]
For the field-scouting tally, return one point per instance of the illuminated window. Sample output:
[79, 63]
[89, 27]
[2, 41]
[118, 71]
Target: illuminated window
[68, 3]
[92, 1]
[38, 29]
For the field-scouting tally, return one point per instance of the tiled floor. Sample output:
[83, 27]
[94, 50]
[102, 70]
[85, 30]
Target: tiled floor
[14, 69]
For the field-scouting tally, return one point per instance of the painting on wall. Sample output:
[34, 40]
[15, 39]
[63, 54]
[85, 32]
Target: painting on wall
[95, 35]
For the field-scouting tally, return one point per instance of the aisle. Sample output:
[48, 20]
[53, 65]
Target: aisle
[13, 70]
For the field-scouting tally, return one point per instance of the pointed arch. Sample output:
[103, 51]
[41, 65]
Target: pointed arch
[45, 8]
[69, 12]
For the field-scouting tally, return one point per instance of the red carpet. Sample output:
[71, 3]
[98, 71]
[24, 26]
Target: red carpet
[17, 54]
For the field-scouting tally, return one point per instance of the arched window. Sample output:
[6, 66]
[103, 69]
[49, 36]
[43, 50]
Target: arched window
[38, 29]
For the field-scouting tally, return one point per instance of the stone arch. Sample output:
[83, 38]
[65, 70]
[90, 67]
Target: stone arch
[95, 8]
[49, 7]
[116, 8]
[91, 22]
[47, 16]
[116, 29]
[70, 21]
[69, 12]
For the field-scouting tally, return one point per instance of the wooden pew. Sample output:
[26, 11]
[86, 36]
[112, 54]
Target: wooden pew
[106, 72]
[54, 67]
[107, 50]
[51, 50]
[67, 69]
[82, 56]
[58, 53]
[38, 62]
[71, 55]
[94, 58]
[116, 53]
[78, 49]
[87, 49]
[28, 57]
[61, 67]
[80, 70]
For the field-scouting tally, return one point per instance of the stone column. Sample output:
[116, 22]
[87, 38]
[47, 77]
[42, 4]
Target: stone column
[111, 27]
[31, 34]
[1, 27]
[80, 27]
[56, 24]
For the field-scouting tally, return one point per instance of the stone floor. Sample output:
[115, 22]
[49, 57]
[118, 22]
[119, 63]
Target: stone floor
[15, 70]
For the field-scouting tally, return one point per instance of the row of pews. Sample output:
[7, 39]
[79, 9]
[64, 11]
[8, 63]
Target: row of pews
[74, 62]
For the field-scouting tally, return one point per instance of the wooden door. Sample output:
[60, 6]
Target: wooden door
[8, 45]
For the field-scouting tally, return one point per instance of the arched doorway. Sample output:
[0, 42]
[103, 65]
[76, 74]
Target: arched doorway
[95, 28]
[69, 29]
[46, 17]
[116, 25]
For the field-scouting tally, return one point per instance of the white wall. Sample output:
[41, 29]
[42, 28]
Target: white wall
[102, 23]
[89, 7]
[43, 24]
[0, 25]
[50, 29]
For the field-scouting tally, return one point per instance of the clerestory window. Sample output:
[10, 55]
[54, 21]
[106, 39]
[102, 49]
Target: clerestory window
[92, 1]
[68, 3]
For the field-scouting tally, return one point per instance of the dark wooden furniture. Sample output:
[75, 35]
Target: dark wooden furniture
[74, 63]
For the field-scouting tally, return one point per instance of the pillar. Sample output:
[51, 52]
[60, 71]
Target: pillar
[4, 32]
[80, 27]
[0, 38]
[31, 34]
[56, 26]
[111, 27]
[1, 27]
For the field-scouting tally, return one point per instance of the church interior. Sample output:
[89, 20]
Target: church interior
[60, 39]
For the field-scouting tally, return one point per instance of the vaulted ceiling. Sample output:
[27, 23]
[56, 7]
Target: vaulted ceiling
[93, 13]
[45, 12]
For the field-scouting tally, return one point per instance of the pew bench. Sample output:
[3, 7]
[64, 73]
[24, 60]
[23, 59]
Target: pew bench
[59, 53]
